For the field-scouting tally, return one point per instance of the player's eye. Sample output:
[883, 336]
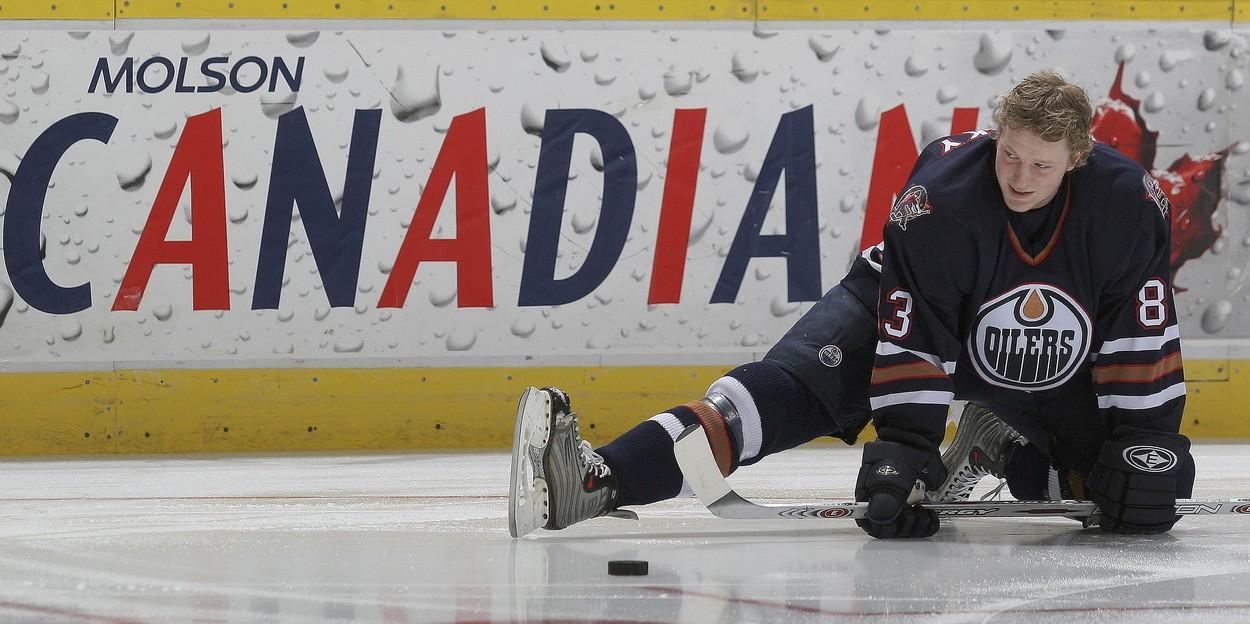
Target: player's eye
[1010, 156]
[1041, 166]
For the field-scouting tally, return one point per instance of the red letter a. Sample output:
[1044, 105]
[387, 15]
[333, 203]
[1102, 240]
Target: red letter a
[463, 155]
[891, 164]
[198, 157]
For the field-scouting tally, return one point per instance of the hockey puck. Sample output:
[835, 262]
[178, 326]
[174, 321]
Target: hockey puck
[622, 567]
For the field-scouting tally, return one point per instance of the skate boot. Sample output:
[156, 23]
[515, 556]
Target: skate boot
[981, 447]
[557, 477]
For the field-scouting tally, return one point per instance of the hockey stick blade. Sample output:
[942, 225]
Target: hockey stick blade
[694, 456]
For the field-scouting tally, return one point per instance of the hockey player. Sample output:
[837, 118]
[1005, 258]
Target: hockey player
[1028, 270]
[817, 379]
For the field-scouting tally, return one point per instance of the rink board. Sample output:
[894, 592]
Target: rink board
[249, 371]
[284, 409]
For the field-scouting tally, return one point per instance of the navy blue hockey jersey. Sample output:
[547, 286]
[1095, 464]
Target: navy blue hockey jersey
[966, 310]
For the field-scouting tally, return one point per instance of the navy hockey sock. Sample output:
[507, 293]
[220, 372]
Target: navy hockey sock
[768, 410]
[642, 458]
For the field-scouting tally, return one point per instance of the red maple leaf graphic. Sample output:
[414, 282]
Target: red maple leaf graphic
[1192, 185]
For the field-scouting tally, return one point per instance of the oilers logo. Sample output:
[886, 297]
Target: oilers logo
[1033, 337]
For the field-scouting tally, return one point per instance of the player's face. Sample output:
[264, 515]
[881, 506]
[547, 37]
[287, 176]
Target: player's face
[1030, 168]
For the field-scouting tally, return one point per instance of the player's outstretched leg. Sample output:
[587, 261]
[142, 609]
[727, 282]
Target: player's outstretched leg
[983, 444]
[557, 477]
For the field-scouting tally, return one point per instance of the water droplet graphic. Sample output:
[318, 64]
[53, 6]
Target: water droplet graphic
[132, 169]
[120, 42]
[461, 339]
[1154, 102]
[1206, 99]
[442, 295]
[279, 102]
[555, 55]
[781, 308]
[163, 312]
[502, 200]
[824, 46]
[411, 101]
[196, 44]
[1215, 317]
[868, 112]
[6, 301]
[532, 118]
[1215, 39]
[303, 39]
[8, 111]
[523, 327]
[335, 72]
[677, 83]
[1171, 59]
[751, 172]
[744, 68]
[993, 53]
[39, 83]
[1234, 79]
[165, 129]
[916, 66]
[348, 344]
[730, 136]
[245, 180]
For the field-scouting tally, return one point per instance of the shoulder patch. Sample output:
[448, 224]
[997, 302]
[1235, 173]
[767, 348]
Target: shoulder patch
[1156, 193]
[912, 204]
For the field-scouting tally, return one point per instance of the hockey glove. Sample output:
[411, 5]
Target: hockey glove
[1134, 480]
[890, 469]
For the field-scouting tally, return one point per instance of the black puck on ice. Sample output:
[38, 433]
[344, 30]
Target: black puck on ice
[622, 567]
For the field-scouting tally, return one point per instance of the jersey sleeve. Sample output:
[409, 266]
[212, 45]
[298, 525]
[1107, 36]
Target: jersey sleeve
[928, 259]
[1138, 375]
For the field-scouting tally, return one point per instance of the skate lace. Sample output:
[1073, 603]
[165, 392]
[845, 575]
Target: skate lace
[592, 460]
[996, 493]
[964, 482]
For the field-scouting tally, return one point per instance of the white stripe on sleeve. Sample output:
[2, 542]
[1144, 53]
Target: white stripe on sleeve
[1142, 402]
[1142, 343]
[928, 397]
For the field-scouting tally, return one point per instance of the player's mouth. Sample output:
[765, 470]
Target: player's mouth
[1018, 192]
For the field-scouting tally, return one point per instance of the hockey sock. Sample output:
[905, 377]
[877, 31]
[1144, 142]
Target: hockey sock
[739, 430]
[642, 458]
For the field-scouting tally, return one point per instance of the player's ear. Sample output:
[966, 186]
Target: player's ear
[1076, 158]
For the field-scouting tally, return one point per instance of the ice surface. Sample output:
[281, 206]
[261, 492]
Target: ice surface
[423, 537]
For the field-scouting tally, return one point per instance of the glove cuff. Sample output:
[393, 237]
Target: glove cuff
[1144, 452]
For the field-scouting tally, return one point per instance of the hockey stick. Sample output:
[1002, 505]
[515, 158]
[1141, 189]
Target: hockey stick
[694, 456]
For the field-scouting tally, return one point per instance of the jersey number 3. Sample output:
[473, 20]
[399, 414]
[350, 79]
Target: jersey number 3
[899, 324]
[1151, 309]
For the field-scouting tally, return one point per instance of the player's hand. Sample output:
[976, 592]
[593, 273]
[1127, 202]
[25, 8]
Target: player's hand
[1134, 480]
[891, 467]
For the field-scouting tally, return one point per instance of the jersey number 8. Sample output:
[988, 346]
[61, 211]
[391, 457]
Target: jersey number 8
[1151, 309]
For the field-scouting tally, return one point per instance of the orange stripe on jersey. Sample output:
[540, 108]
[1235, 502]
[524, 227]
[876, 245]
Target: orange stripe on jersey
[1138, 373]
[1054, 237]
[903, 372]
[717, 434]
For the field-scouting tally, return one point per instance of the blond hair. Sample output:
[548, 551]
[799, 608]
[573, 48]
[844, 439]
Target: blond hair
[1053, 108]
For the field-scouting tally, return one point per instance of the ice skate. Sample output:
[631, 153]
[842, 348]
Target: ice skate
[557, 477]
[981, 447]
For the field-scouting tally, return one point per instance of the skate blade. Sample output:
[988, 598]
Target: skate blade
[527, 491]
